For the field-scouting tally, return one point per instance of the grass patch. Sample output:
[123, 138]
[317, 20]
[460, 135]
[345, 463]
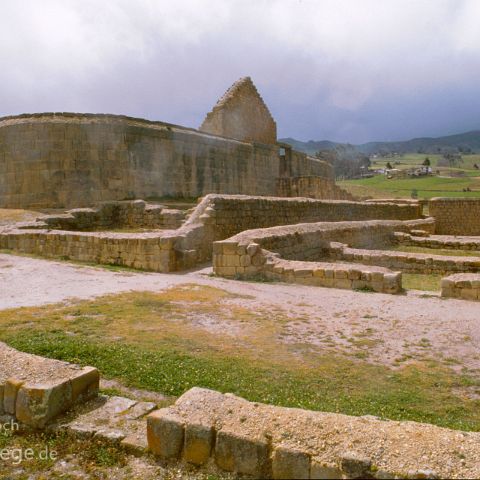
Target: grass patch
[418, 281]
[426, 187]
[435, 251]
[150, 341]
[12, 215]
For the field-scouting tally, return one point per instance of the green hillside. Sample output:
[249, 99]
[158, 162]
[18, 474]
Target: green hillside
[469, 141]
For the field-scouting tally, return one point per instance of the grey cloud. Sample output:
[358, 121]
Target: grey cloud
[347, 70]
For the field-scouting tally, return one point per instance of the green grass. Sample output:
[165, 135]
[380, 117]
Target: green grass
[410, 160]
[417, 281]
[427, 187]
[147, 341]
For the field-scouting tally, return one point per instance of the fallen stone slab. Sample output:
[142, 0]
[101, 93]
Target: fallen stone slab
[115, 420]
[266, 441]
[34, 390]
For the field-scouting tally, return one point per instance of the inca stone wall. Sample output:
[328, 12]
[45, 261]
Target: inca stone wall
[456, 216]
[305, 254]
[74, 160]
[216, 217]
[242, 114]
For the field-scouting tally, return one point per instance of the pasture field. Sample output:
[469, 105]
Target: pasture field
[447, 181]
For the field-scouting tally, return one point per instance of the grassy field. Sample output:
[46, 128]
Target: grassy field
[449, 183]
[417, 281]
[151, 341]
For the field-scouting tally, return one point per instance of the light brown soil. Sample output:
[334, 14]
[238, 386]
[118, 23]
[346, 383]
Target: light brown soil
[382, 328]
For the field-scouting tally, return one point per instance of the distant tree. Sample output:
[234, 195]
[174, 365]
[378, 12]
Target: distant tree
[389, 166]
[426, 162]
[414, 193]
[346, 160]
[475, 165]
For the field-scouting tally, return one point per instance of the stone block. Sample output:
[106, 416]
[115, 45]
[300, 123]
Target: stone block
[253, 248]
[324, 471]
[290, 463]
[10, 391]
[165, 433]
[198, 443]
[38, 404]
[86, 384]
[356, 466]
[237, 452]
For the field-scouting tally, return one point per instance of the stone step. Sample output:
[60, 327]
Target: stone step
[116, 420]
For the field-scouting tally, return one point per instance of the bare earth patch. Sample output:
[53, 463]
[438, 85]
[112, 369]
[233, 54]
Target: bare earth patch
[379, 328]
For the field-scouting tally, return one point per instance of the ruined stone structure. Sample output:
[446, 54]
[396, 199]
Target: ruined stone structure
[216, 217]
[67, 160]
[242, 114]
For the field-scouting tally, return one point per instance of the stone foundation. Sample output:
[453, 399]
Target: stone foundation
[216, 217]
[286, 254]
[408, 262]
[35, 390]
[264, 441]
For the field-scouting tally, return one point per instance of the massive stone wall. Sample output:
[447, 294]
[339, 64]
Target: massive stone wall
[74, 160]
[456, 216]
[242, 114]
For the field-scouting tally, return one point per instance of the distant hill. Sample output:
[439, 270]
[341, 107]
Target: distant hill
[466, 142]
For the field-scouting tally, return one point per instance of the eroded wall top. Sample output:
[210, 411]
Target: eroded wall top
[242, 114]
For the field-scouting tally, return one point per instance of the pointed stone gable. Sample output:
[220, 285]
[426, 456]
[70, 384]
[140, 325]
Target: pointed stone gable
[242, 114]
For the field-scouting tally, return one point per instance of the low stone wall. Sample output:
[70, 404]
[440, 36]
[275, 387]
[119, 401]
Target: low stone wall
[408, 262]
[264, 441]
[234, 260]
[439, 241]
[108, 215]
[466, 286]
[216, 217]
[274, 254]
[456, 216]
[146, 251]
[34, 390]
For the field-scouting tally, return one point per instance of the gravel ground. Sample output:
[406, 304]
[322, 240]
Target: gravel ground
[416, 324]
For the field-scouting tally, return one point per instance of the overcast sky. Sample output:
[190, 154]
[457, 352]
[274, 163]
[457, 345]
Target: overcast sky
[344, 70]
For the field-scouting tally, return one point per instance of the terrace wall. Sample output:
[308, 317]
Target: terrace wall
[456, 216]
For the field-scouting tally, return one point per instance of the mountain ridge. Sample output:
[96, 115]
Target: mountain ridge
[466, 142]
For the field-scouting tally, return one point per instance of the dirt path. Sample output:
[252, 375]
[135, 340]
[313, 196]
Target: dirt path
[387, 328]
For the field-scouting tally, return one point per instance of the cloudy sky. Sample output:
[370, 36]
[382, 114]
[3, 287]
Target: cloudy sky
[344, 70]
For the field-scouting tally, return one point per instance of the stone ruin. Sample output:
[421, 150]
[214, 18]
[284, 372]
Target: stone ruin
[241, 114]
[264, 211]
[71, 160]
